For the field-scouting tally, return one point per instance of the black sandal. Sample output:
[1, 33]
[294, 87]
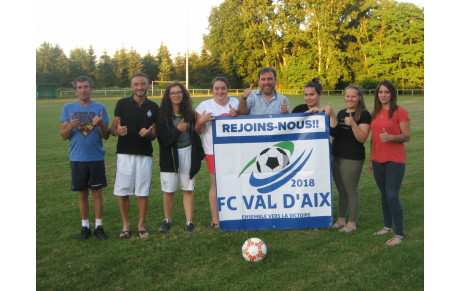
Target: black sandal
[125, 234]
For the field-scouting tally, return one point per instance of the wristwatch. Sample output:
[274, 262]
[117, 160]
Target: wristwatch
[244, 98]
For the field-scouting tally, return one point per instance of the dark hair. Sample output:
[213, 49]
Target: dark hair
[223, 79]
[185, 107]
[82, 79]
[394, 97]
[315, 84]
[140, 75]
[266, 70]
[361, 106]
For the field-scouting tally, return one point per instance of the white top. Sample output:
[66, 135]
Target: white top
[217, 110]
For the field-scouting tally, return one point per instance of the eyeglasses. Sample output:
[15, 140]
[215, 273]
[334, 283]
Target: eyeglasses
[178, 93]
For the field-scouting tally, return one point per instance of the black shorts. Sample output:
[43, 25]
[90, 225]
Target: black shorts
[88, 175]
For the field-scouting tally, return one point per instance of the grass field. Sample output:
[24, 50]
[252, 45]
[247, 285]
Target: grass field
[210, 259]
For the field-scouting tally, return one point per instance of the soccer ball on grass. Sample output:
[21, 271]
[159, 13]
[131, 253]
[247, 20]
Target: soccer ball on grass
[254, 250]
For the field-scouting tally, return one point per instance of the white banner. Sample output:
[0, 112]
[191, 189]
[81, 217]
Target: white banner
[273, 171]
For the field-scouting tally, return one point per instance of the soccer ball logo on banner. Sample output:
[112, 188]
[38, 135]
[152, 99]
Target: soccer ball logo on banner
[276, 163]
[272, 160]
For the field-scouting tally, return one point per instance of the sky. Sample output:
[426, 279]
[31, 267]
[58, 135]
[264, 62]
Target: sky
[115, 24]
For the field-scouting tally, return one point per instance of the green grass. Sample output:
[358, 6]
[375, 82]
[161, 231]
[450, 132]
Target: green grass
[210, 259]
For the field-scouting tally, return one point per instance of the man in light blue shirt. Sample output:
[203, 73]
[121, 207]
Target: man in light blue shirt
[265, 100]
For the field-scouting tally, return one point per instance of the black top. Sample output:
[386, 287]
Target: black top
[345, 144]
[300, 108]
[135, 118]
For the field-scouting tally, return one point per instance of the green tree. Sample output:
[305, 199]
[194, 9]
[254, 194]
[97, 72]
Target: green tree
[179, 68]
[166, 66]
[227, 69]
[392, 41]
[82, 62]
[105, 72]
[134, 64]
[120, 62]
[226, 37]
[52, 65]
[206, 70]
[151, 66]
[326, 25]
[194, 61]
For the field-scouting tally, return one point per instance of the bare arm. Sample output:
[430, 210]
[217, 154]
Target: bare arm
[149, 133]
[371, 169]
[66, 127]
[201, 120]
[403, 137]
[66, 130]
[361, 131]
[332, 117]
[104, 131]
[116, 129]
[103, 127]
[243, 108]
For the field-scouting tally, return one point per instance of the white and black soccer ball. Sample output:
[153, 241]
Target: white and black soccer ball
[272, 160]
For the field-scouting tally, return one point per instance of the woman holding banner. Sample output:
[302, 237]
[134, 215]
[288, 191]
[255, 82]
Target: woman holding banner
[312, 95]
[313, 91]
[181, 152]
[220, 105]
[390, 128]
[349, 129]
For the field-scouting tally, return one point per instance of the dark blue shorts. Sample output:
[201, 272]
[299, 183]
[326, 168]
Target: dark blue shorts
[88, 175]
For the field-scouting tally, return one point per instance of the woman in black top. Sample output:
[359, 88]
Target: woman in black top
[312, 95]
[181, 152]
[349, 129]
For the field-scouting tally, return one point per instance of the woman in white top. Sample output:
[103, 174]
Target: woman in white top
[220, 105]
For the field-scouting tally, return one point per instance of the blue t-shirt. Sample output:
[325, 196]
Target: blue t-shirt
[85, 142]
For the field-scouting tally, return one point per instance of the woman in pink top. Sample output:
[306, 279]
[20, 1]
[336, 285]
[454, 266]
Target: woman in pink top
[390, 128]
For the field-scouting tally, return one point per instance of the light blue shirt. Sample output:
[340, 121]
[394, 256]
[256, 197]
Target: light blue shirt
[85, 142]
[258, 105]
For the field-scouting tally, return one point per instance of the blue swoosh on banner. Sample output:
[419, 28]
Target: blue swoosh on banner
[280, 183]
[255, 182]
[283, 181]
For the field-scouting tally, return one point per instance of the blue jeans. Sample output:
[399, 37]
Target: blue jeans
[388, 177]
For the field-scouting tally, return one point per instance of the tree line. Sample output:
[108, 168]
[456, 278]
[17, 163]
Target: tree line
[340, 41]
[53, 66]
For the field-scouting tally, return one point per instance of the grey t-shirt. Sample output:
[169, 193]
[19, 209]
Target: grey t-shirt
[183, 140]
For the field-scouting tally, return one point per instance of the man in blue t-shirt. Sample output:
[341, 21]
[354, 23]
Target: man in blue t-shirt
[84, 123]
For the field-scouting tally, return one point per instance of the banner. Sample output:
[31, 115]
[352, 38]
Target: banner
[273, 171]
